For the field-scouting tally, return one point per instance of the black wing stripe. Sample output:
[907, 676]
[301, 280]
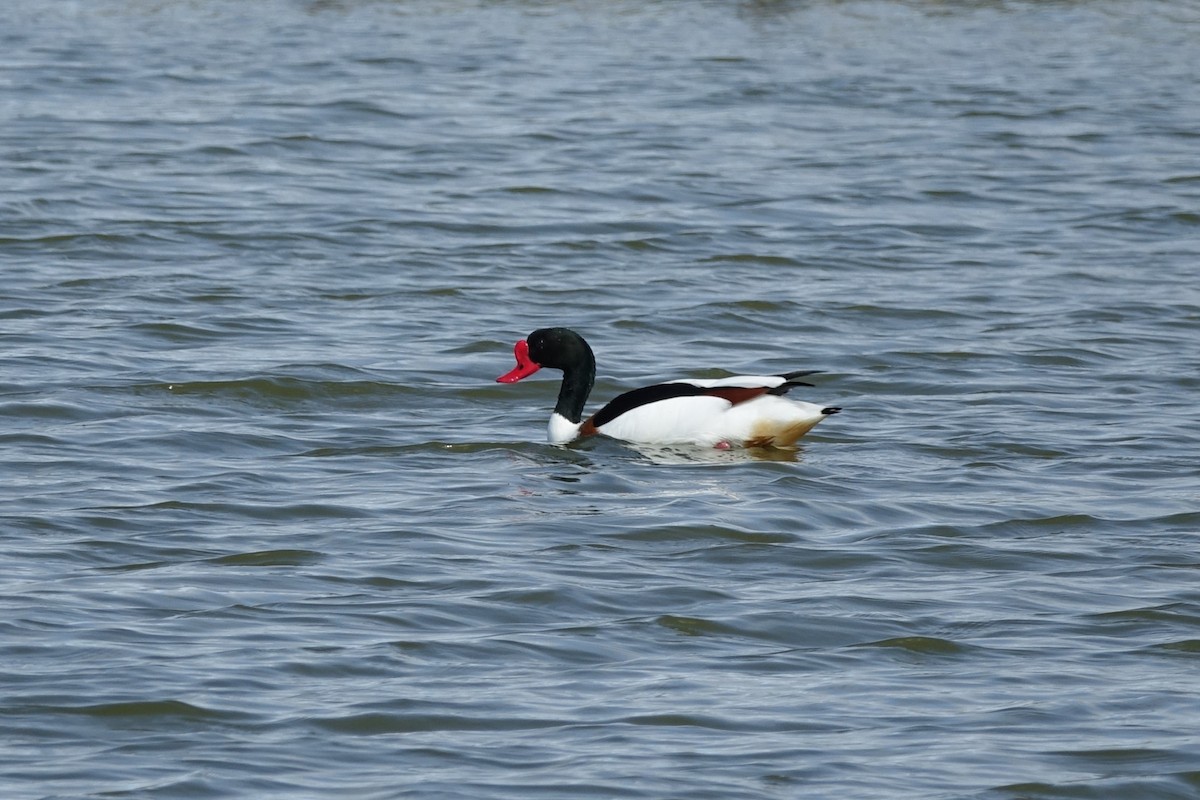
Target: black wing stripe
[789, 380]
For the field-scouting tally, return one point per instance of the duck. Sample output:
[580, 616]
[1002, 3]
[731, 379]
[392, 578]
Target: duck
[739, 411]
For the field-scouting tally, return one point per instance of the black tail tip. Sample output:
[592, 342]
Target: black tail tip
[830, 410]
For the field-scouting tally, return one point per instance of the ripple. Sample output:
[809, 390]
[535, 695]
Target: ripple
[282, 390]
[271, 558]
[164, 710]
[921, 645]
[377, 724]
[266, 514]
[703, 533]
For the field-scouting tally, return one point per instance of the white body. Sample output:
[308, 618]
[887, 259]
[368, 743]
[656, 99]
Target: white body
[768, 420]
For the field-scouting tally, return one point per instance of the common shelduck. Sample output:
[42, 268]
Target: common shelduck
[744, 411]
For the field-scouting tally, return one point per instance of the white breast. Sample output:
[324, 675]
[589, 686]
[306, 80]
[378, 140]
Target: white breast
[561, 430]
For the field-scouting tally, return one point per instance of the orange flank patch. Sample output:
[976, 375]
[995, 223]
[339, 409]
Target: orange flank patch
[737, 394]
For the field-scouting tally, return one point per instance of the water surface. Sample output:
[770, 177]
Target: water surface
[270, 529]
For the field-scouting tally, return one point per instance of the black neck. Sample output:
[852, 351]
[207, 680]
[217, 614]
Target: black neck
[563, 348]
[576, 386]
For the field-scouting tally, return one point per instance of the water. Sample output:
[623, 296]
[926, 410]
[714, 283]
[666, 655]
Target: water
[271, 530]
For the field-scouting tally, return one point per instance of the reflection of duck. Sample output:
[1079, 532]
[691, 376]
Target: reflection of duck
[745, 410]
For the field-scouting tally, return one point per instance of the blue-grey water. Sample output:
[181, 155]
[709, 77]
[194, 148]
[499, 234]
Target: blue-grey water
[271, 530]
